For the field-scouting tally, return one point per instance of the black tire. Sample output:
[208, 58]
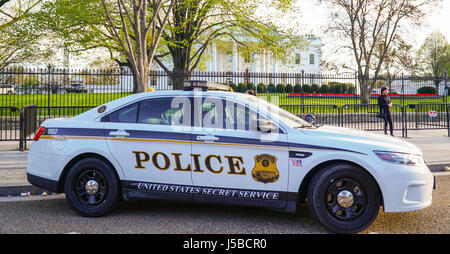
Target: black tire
[358, 194]
[91, 203]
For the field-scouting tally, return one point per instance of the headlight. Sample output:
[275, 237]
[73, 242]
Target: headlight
[400, 158]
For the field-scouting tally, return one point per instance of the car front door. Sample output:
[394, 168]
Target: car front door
[153, 147]
[234, 162]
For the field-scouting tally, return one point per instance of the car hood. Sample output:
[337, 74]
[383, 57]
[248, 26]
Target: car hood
[355, 140]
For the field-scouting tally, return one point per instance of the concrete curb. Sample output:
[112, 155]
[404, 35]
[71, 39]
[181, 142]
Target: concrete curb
[26, 190]
[21, 190]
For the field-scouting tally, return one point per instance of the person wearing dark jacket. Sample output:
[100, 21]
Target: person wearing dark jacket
[385, 104]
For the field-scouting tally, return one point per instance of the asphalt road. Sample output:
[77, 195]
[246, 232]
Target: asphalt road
[53, 215]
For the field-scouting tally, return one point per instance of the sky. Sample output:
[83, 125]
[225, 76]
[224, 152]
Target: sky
[314, 18]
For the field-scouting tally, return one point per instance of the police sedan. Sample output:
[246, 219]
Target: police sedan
[206, 144]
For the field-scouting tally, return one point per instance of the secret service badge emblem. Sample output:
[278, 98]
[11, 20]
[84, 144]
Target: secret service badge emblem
[265, 170]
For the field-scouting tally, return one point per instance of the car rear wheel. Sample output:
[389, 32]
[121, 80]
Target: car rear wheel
[344, 198]
[92, 188]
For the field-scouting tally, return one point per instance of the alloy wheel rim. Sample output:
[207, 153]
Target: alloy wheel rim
[346, 199]
[91, 188]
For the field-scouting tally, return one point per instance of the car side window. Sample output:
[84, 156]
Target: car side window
[240, 117]
[126, 114]
[224, 114]
[164, 111]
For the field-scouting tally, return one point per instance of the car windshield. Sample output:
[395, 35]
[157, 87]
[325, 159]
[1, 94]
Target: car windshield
[283, 115]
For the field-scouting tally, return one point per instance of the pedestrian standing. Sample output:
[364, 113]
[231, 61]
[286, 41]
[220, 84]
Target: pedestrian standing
[385, 104]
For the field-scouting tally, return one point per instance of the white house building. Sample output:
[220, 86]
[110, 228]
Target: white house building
[308, 59]
[228, 59]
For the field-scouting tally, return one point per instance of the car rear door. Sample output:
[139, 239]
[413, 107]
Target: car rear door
[236, 163]
[152, 147]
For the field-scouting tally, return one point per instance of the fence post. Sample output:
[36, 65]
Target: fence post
[445, 89]
[303, 77]
[448, 119]
[356, 88]
[403, 90]
[48, 86]
[21, 134]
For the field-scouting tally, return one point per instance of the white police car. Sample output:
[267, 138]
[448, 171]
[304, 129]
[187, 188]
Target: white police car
[225, 147]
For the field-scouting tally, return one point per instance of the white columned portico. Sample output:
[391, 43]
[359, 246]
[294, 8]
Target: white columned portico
[235, 62]
[213, 59]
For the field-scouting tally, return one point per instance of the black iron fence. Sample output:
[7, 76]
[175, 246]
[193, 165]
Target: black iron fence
[29, 96]
[51, 87]
[22, 125]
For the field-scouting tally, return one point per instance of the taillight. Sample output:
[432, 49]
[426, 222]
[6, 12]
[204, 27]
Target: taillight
[39, 133]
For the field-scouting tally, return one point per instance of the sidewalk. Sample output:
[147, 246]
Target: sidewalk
[435, 145]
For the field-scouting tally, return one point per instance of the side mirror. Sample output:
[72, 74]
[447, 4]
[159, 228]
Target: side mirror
[265, 125]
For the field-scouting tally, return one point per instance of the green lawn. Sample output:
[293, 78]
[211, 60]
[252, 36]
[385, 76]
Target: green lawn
[95, 99]
[282, 99]
[42, 100]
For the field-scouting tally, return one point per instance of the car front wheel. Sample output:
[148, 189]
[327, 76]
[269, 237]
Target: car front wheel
[344, 198]
[92, 188]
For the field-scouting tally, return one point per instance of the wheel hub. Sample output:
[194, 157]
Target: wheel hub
[91, 187]
[345, 199]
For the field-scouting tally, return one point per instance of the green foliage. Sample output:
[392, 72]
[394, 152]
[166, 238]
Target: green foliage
[241, 88]
[351, 90]
[307, 88]
[433, 56]
[323, 89]
[271, 88]
[314, 88]
[250, 86]
[427, 90]
[261, 88]
[233, 86]
[297, 88]
[280, 88]
[289, 88]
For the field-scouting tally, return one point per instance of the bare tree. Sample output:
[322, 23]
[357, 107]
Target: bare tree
[371, 28]
[138, 25]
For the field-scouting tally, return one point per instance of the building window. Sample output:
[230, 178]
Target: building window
[311, 58]
[229, 58]
[297, 58]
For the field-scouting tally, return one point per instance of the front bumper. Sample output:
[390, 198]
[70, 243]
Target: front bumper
[408, 188]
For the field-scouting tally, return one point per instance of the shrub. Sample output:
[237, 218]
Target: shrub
[288, 88]
[306, 88]
[314, 88]
[233, 86]
[298, 88]
[351, 90]
[241, 88]
[323, 89]
[250, 86]
[271, 88]
[427, 90]
[261, 88]
[280, 88]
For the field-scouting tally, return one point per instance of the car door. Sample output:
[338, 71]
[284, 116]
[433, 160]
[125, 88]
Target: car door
[237, 163]
[153, 147]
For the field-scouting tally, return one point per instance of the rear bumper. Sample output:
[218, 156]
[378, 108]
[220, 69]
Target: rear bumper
[44, 183]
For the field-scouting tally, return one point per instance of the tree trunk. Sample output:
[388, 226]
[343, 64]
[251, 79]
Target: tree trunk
[364, 87]
[179, 72]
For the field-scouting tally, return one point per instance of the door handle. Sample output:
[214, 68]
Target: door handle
[207, 138]
[119, 133]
